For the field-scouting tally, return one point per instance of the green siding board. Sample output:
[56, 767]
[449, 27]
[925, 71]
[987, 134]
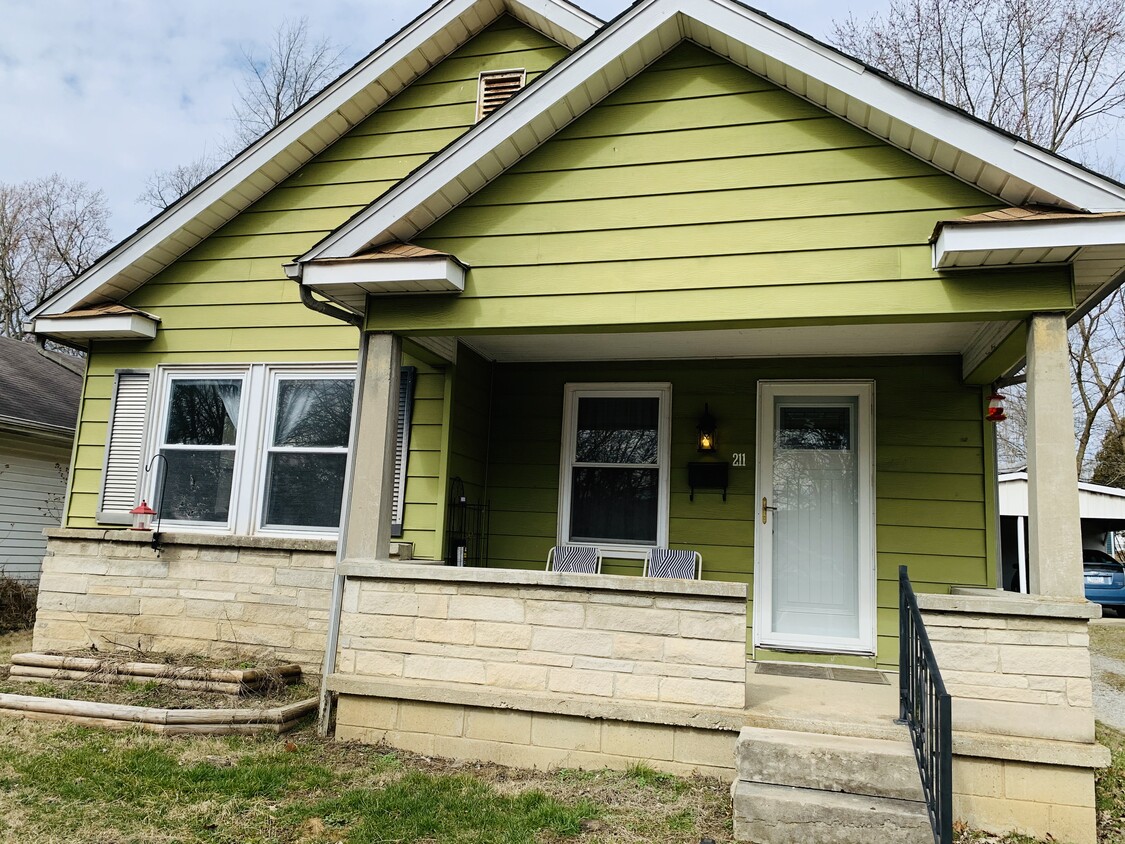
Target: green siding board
[228, 300]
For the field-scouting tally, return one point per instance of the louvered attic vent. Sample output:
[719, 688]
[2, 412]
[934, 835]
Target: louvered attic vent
[496, 88]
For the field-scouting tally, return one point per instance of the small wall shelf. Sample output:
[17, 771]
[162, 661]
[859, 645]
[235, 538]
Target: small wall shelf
[709, 475]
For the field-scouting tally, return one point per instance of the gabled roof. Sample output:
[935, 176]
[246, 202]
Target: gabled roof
[38, 389]
[359, 91]
[1000, 164]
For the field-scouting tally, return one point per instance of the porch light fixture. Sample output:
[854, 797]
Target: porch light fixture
[706, 429]
[996, 408]
[142, 516]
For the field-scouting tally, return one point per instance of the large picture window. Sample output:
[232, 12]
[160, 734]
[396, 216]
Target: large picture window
[253, 449]
[614, 482]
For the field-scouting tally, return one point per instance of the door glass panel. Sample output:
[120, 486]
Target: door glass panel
[816, 523]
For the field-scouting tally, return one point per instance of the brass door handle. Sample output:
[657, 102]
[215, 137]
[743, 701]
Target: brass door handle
[765, 508]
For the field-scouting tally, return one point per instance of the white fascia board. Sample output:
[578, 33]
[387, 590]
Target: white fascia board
[575, 21]
[436, 275]
[566, 82]
[260, 154]
[108, 327]
[953, 240]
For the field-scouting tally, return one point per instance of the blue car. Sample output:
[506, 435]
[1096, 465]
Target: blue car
[1104, 578]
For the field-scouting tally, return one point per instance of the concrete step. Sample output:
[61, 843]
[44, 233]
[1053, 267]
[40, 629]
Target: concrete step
[846, 764]
[776, 814]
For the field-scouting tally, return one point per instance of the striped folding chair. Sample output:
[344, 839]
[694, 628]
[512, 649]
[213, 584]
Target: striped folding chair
[669, 562]
[578, 559]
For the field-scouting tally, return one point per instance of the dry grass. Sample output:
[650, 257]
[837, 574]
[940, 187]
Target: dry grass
[63, 784]
[17, 604]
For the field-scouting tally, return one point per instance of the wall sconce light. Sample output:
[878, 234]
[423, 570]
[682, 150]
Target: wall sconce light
[996, 408]
[706, 427]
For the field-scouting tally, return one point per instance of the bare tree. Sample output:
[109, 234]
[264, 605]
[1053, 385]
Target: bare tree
[164, 187]
[1050, 71]
[276, 85]
[272, 87]
[51, 230]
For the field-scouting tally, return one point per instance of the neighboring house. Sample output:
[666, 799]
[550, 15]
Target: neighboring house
[1101, 509]
[38, 408]
[691, 215]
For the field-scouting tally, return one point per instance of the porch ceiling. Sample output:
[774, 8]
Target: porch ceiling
[811, 341]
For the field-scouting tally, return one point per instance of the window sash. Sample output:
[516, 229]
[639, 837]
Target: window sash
[624, 548]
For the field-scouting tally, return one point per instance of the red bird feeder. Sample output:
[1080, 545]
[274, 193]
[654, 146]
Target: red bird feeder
[142, 516]
[996, 408]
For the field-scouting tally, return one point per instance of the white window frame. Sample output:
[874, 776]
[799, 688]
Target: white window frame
[276, 375]
[572, 393]
[254, 435]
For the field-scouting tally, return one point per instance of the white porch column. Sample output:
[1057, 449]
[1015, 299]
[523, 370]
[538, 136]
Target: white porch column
[1055, 542]
[367, 526]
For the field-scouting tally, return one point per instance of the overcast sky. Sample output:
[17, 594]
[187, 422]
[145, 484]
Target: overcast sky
[109, 91]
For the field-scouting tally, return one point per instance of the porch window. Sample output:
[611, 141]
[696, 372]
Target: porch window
[614, 484]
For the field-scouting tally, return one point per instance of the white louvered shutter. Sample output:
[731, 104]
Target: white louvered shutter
[124, 447]
[496, 89]
[402, 446]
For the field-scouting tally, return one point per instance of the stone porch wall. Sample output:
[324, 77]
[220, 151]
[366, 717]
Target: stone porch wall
[209, 595]
[605, 637]
[539, 669]
[1018, 670]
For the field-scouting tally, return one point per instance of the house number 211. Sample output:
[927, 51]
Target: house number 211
[738, 460]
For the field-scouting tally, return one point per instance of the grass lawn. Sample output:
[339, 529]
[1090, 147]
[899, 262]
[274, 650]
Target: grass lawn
[67, 784]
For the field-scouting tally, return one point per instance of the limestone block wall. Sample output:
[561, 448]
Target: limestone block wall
[589, 637]
[211, 595]
[1018, 670]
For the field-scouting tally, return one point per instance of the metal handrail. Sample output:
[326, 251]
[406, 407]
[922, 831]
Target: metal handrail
[925, 709]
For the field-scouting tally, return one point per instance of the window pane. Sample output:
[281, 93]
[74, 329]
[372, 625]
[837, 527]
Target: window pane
[203, 412]
[198, 486]
[617, 430]
[815, 428]
[313, 413]
[305, 489]
[613, 504]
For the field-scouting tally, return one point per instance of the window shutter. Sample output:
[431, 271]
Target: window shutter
[402, 445]
[496, 89]
[124, 447]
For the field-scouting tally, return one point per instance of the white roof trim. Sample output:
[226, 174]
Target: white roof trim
[320, 122]
[985, 237]
[80, 329]
[349, 283]
[622, 49]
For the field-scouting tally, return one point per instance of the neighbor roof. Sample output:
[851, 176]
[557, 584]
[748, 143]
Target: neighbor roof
[359, 91]
[998, 163]
[38, 388]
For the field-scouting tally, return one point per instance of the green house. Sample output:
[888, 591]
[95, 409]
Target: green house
[519, 280]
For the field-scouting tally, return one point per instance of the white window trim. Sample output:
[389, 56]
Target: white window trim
[248, 482]
[573, 392]
[275, 376]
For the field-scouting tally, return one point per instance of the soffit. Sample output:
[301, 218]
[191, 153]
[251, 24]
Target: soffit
[362, 89]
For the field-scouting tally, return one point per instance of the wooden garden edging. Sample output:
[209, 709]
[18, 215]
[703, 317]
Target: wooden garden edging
[165, 721]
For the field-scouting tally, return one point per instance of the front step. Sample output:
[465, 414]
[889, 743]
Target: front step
[871, 767]
[797, 787]
[777, 814]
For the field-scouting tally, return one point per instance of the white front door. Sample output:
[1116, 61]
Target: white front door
[814, 572]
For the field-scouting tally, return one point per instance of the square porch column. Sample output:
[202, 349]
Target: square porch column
[1055, 547]
[367, 522]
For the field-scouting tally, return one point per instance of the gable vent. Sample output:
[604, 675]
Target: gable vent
[496, 88]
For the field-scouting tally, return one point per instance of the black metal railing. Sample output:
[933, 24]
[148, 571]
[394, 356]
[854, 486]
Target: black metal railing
[924, 707]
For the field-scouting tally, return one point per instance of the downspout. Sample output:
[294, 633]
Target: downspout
[335, 607]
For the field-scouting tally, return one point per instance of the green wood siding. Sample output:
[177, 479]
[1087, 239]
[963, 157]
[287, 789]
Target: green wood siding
[228, 300]
[933, 511]
[700, 194]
